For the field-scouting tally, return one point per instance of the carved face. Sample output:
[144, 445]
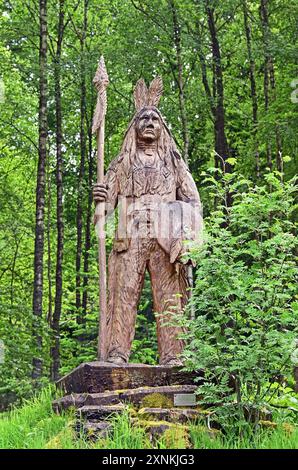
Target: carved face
[148, 126]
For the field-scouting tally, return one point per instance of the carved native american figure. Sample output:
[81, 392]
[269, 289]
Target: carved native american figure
[159, 207]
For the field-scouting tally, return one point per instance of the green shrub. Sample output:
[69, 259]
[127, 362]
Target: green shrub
[245, 297]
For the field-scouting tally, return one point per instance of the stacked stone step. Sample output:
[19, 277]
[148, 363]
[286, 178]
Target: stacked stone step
[133, 396]
[99, 391]
[94, 420]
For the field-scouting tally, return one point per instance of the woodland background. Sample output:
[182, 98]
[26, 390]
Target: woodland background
[230, 72]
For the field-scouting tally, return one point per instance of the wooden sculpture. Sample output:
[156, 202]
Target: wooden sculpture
[101, 81]
[159, 207]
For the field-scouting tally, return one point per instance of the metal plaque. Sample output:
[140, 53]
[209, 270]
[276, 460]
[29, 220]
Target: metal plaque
[185, 399]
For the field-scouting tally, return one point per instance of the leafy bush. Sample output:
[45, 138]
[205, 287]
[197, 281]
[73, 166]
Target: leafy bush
[245, 296]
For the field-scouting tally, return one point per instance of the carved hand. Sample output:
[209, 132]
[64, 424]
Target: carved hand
[100, 192]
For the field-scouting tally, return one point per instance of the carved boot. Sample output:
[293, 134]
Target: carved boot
[174, 362]
[116, 360]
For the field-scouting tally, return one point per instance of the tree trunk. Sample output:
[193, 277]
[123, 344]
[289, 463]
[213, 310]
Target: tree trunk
[221, 145]
[211, 95]
[269, 83]
[79, 221]
[204, 72]
[55, 350]
[180, 82]
[40, 194]
[253, 89]
[49, 249]
[264, 19]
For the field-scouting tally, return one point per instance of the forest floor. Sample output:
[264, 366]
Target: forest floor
[35, 426]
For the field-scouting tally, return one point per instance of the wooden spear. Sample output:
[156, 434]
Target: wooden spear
[101, 81]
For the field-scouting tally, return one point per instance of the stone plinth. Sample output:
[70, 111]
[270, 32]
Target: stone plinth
[98, 377]
[134, 396]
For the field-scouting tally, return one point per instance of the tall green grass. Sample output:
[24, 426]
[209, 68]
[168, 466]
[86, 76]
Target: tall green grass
[263, 439]
[125, 435]
[32, 425]
[35, 426]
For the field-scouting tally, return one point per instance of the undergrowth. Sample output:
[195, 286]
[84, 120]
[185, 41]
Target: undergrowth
[35, 426]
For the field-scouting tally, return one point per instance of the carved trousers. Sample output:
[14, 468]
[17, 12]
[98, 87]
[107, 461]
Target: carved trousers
[125, 282]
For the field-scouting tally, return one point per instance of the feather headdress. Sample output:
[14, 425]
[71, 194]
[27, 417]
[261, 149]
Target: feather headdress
[147, 97]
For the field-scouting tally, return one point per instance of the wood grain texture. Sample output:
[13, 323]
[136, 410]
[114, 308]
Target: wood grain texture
[154, 191]
[101, 81]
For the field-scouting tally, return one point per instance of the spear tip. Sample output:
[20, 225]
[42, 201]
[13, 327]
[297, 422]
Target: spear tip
[101, 81]
[101, 77]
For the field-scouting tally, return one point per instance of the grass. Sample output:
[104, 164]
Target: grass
[32, 425]
[278, 438]
[125, 435]
[36, 426]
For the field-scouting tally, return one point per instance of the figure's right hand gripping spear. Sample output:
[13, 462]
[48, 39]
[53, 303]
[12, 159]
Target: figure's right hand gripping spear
[101, 81]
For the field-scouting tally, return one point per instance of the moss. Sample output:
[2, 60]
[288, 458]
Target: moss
[66, 435]
[212, 432]
[202, 411]
[152, 422]
[144, 415]
[176, 437]
[288, 428]
[267, 424]
[132, 411]
[124, 390]
[156, 400]
[170, 435]
[146, 424]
